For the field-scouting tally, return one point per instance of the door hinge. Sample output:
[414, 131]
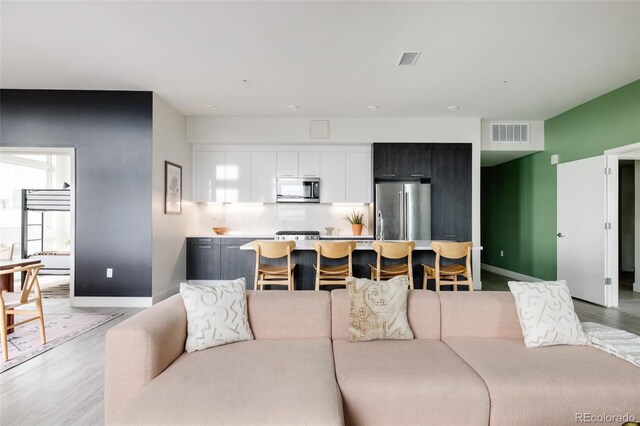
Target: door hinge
[607, 281]
[607, 170]
[607, 226]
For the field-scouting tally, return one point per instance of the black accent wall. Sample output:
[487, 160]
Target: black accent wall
[111, 132]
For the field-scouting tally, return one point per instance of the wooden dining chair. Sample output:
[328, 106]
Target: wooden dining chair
[10, 301]
[334, 274]
[393, 250]
[448, 274]
[267, 274]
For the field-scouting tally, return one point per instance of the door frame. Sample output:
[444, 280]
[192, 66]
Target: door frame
[72, 211]
[612, 253]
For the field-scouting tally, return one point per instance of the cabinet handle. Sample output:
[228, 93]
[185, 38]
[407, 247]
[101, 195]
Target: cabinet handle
[417, 174]
[233, 247]
[286, 175]
[309, 175]
[204, 240]
[204, 247]
[388, 174]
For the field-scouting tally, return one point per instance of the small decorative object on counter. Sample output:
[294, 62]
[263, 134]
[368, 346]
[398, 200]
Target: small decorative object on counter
[220, 230]
[355, 219]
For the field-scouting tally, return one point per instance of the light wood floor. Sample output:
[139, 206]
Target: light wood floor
[64, 386]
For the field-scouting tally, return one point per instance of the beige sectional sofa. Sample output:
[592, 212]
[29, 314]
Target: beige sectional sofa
[467, 365]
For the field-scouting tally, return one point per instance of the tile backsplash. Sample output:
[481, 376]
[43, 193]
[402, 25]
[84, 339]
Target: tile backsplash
[268, 218]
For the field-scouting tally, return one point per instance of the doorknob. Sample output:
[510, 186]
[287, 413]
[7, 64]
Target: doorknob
[559, 234]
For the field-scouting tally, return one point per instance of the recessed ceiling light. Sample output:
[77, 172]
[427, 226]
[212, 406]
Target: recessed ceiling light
[293, 107]
[453, 108]
[211, 106]
[505, 81]
[372, 107]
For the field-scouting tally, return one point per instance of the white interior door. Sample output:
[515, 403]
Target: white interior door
[582, 192]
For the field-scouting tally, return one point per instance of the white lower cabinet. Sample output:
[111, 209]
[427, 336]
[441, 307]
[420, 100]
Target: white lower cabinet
[332, 177]
[237, 177]
[210, 177]
[263, 177]
[358, 181]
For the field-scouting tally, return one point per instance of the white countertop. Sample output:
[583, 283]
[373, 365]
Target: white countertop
[360, 245]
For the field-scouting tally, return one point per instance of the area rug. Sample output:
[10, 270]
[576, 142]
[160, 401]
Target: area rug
[25, 344]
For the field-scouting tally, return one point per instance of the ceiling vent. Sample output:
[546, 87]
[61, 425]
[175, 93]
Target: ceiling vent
[408, 58]
[509, 132]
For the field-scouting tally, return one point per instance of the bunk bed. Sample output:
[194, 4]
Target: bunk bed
[41, 201]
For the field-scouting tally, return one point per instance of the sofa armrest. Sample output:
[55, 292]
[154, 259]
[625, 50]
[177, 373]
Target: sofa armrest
[140, 348]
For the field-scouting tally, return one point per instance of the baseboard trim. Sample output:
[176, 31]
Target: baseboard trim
[166, 294]
[111, 302]
[508, 273]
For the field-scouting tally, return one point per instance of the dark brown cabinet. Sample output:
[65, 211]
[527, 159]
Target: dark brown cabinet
[236, 263]
[401, 160]
[451, 192]
[448, 168]
[203, 258]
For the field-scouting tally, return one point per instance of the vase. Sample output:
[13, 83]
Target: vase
[357, 229]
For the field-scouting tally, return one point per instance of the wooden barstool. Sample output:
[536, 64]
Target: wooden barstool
[10, 301]
[448, 274]
[274, 274]
[393, 250]
[335, 274]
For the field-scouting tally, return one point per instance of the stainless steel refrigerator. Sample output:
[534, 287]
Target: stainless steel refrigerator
[403, 211]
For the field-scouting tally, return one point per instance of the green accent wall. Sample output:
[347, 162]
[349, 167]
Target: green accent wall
[518, 198]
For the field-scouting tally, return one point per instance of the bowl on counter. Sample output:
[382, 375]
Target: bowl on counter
[220, 230]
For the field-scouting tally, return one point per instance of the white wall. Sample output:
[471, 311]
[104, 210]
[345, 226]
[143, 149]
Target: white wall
[169, 231]
[276, 130]
[344, 130]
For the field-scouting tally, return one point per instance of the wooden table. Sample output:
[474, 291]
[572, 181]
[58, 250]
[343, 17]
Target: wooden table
[6, 280]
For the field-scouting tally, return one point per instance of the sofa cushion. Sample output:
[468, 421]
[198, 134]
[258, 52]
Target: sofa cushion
[550, 385]
[423, 313]
[378, 309]
[216, 315]
[267, 382]
[408, 382]
[546, 314]
[479, 314]
[289, 314]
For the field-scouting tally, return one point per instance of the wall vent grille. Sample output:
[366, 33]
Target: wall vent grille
[509, 132]
[408, 58]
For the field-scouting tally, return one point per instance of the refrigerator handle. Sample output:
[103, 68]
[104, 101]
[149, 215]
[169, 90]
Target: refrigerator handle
[401, 205]
[406, 216]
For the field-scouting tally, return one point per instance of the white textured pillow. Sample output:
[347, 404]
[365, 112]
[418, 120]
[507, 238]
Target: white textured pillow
[546, 314]
[216, 315]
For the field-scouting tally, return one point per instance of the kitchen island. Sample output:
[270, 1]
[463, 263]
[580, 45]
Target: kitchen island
[226, 258]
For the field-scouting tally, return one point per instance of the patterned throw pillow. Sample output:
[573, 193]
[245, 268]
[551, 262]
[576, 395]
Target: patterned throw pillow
[378, 309]
[216, 315]
[546, 314]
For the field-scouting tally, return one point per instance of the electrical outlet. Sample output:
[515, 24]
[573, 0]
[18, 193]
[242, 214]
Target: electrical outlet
[501, 253]
[109, 272]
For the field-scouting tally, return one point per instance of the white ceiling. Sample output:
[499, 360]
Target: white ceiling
[329, 58]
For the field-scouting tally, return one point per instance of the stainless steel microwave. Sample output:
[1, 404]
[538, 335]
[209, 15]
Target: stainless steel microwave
[298, 190]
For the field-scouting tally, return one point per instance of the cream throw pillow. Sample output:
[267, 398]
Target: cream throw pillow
[378, 309]
[546, 314]
[216, 315]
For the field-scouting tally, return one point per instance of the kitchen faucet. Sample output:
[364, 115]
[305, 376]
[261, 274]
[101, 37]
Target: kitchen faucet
[380, 235]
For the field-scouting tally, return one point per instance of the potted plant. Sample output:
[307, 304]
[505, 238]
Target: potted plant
[355, 219]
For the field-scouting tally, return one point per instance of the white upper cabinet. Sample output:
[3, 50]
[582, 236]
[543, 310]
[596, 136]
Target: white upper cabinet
[332, 177]
[358, 182]
[263, 177]
[210, 176]
[309, 164]
[237, 177]
[287, 164]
